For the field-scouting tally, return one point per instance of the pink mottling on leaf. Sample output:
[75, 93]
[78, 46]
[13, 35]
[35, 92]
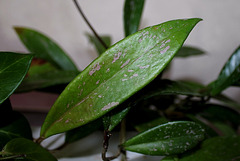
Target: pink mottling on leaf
[95, 68]
[116, 57]
[125, 63]
[110, 105]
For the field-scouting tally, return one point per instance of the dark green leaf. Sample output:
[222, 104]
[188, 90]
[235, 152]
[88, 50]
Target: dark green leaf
[99, 47]
[221, 113]
[208, 130]
[13, 68]
[229, 75]
[168, 139]
[237, 84]
[18, 126]
[225, 129]
[45, 48]
[187, 51]
[216, 149]
[47, 79]
[83, 131]
[132, 15]
[168, 87]
[228, 101]
[26, 149]
[117, 74]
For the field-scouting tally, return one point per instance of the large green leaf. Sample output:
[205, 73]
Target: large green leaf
[229, 75]
[117, 74]
[45, 48]
[26, 149]
[166, 139]
[216, 149]
[18, 126]
[99, 47]
[13, 68]
[132, 15]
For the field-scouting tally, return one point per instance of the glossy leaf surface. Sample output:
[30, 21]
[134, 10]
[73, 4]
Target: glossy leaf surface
[13, 68]
[217, 148]
[167, 139]
[99, 47]
[132, 15]
[229, 75]
[187, 51]
[45, 48]
[121, 71]
[18, 126]
[27, 149]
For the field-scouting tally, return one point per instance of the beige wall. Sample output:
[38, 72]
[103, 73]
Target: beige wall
[218, 34]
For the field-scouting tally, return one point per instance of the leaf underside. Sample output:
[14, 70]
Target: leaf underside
[118, 73]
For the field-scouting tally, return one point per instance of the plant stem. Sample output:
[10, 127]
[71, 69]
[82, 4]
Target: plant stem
[123, 138]
[90, 26]
[107, 136]
[39, 140]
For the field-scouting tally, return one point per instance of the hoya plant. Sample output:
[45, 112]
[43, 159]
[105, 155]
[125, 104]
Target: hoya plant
[122, 90]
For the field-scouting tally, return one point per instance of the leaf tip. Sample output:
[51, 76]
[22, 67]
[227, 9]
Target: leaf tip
[18, 30]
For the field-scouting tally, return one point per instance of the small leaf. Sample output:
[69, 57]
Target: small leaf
[229, 75]
[132, 15]
[216, 149]
[45, 48]
[18, 126]
[13, 68]
[99, 47]
[187, 51]
[168, 139]
[26, 149]
[112, 119]
[117, 74]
